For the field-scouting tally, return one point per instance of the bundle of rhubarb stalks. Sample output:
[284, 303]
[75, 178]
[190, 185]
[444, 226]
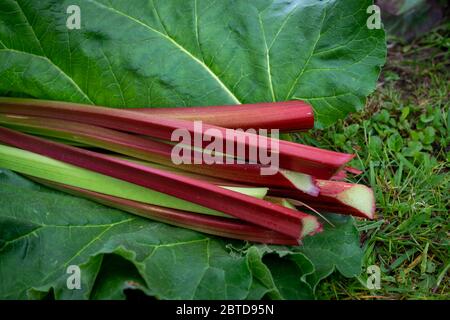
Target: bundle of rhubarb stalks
[123, 158]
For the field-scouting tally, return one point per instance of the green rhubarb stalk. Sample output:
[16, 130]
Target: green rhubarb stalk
[335, 196]
[39, 166]
[257, 211]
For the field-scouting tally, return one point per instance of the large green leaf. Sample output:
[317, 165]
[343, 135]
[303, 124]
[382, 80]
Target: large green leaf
[45, 231]
[196, 52]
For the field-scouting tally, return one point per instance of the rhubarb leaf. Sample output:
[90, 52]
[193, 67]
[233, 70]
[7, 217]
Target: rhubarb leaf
[192, 53]
[288, 277]
[45, 231]
[296, 271]
[49, 231]
[337, 248]
[116, 275]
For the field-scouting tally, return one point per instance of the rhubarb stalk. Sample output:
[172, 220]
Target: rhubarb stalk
[218, 226]
[39, 166]
[320, 163]
[292, 223]
[333, 196]
[285, 116]
[337, 197]
[155, 151]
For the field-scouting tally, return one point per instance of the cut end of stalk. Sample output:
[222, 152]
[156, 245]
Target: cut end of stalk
[301, 181]
[310, 226]
[361, 198]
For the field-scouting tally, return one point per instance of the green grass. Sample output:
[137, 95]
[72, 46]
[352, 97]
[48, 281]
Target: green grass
[402, 142]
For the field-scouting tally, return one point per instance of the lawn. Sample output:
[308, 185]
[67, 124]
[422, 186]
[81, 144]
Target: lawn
[402, 142]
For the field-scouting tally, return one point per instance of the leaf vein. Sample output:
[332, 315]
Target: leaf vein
[55, 66]
[177, 45]
[309, 58]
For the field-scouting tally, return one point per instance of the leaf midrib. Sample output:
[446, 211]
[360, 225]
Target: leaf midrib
[44, 56]
[177, 45]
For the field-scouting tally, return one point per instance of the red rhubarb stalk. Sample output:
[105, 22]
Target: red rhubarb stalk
[292, 156]
[285, 116]
[292, 223]
[155, 151]
[337, 197]
[333, 196]
[341, 175]
[218, 226]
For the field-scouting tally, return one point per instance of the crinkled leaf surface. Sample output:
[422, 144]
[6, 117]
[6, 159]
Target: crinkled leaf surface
[45, 231]
[174, 53]
[192, 52]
